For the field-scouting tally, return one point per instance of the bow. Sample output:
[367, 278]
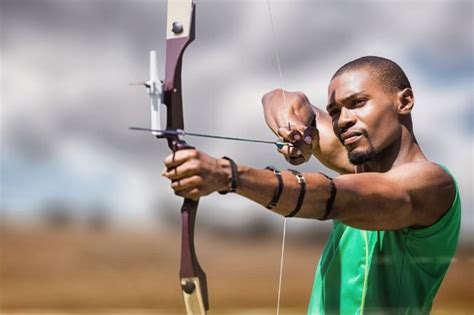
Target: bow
[180, 32]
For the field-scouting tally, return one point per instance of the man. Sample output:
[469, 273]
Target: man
[396, 215]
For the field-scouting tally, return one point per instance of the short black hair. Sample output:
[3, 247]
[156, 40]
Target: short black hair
[387, 72]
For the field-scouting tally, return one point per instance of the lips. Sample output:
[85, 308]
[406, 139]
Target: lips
[349, 137]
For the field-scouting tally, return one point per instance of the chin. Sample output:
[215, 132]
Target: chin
[361, 156]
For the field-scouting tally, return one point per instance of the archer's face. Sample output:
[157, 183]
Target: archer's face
[364, 115]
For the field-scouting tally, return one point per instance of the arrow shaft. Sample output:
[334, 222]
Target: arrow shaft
[193, 134]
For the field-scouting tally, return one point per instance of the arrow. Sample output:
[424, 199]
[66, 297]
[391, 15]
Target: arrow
[177, 132]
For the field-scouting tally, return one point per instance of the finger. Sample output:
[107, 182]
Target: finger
[291, 135]
[290, 150]
[294, 151]
[303, 145]
[286, 150]
[186, 184]
[285, 153]
[174, 159]
[164, 171]
[297, 130]
[190, 193]
[186, 169]
[297, 160]
[310, 134]
[179, 157]
[296, 135]
[285, 134]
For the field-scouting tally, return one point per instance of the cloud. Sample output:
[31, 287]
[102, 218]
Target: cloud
[66, 68]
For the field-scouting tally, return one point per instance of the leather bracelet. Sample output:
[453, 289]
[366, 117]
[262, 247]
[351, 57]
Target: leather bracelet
[234, 177]
[278, 190]
[330, 202]
[302, 182]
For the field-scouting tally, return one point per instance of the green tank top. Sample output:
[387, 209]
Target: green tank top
[375, 272]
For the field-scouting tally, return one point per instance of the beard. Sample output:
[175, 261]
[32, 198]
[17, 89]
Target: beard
[360, 157]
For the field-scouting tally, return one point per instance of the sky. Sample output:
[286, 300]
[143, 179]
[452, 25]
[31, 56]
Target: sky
[66, 103]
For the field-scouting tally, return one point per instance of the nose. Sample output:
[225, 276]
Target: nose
[346, 119]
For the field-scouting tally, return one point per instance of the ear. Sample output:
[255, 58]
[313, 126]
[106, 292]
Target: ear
[406, 100]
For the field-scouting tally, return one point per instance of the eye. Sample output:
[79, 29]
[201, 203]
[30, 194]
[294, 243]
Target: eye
[359, 102]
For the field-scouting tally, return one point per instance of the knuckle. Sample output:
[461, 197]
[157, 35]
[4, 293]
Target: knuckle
[194, 194]
[277, 92]
[266, 97]
[197, 181]
[195, 166]
[194, 154]
[187, 167]
[297, 100]
[273, 93]
[175, 185]
[301, 96]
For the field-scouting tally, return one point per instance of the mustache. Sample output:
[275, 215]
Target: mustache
[343, 134]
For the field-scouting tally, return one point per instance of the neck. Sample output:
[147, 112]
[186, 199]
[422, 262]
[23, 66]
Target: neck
[403, 150]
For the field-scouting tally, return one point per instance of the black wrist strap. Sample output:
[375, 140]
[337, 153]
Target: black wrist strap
[278, 190]
[234, 177]
[331, 198]
[302, 182]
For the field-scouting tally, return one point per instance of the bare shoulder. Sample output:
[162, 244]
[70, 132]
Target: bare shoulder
[423, 173]
[431, 188]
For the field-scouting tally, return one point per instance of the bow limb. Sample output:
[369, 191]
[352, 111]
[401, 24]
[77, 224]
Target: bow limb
[192, 277]
[180, 33]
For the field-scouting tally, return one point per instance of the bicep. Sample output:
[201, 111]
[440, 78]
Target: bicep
[431, 190]
[411, 195]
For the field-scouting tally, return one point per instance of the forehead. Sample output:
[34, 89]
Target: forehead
[352, 82]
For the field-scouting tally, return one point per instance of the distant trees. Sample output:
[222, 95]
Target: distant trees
[59, 214]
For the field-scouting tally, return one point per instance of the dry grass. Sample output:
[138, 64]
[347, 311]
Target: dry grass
[124, 272]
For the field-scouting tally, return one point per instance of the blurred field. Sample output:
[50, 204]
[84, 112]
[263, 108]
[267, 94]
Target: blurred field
[77, 271]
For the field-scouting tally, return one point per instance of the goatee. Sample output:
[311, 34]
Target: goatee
[360, 157]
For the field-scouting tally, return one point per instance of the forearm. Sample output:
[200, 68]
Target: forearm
[411, 194]
[284, 108]
[259, 185]
[365, 201]
[329, 150]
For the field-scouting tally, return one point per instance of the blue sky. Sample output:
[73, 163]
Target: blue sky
[66, 103]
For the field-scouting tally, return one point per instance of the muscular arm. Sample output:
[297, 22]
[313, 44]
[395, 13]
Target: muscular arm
[283, 108]
[328, 149]
[411, 195]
